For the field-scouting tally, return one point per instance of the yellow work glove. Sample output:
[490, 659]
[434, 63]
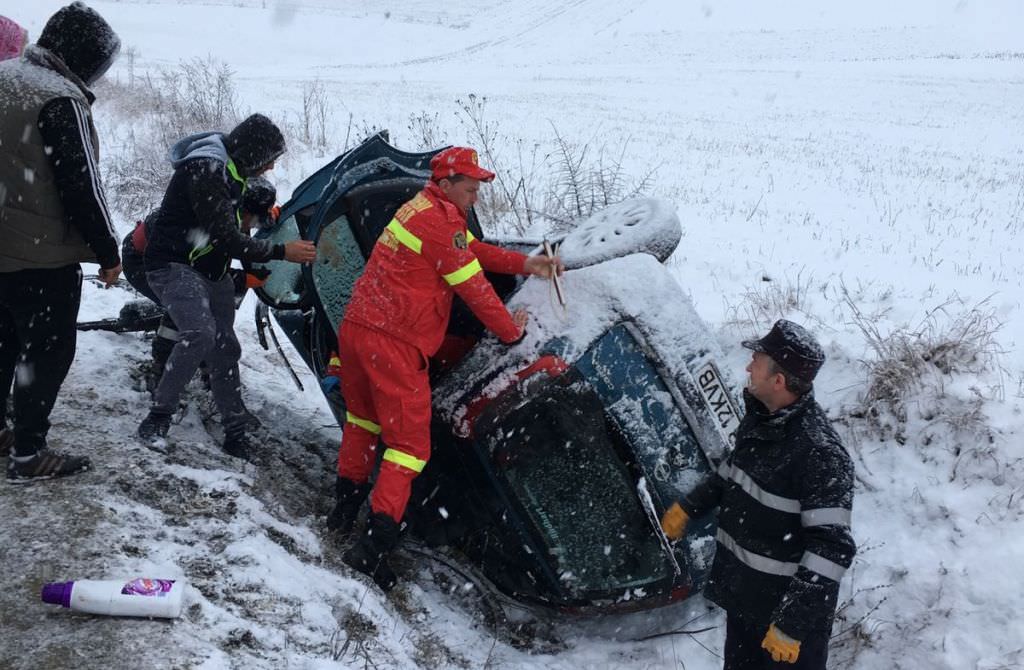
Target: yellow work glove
[782, 647]
[673, 522]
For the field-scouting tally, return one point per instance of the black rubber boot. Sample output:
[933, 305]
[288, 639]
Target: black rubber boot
[236, 443]
[154, 426]
[350, 497]
[370, 554]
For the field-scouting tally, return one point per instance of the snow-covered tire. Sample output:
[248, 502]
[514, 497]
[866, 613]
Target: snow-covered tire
[641, 225]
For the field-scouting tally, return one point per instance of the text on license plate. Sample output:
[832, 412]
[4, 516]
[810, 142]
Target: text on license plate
[718, 399]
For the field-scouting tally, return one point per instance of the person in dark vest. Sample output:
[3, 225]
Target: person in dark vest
[784, 497]
[191, 240]
[53, 216]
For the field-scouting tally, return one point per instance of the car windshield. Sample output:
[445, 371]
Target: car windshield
[562, 459]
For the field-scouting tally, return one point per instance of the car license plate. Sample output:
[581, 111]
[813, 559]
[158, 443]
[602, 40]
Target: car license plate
[718, 400]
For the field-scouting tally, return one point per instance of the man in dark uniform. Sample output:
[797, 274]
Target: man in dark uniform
[53, 215]
[784, 496]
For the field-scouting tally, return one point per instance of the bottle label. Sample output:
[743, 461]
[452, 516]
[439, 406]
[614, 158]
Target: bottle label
[148, 587]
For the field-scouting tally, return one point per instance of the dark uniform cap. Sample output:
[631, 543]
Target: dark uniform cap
[792, 348]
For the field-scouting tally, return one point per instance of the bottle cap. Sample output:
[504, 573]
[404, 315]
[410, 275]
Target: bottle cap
[58, 593]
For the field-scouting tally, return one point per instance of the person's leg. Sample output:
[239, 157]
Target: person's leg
[223, 358]
[163, 344]
[10, 349]
[743, 649]
[43, 305]
[743, 645]
[358, 448]
[401, 398]
[133, 268]
[185, 295]
[813, 653]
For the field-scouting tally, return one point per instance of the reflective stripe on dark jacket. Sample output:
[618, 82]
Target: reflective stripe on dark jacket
[197, 223]
[784, 495]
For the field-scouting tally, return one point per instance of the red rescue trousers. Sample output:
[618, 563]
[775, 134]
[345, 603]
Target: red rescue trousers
[387, 395]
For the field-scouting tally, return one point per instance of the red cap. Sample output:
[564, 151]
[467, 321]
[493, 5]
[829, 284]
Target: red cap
[458, 160]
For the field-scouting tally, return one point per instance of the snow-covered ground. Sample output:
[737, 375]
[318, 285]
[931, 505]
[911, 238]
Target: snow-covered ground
[814, 152]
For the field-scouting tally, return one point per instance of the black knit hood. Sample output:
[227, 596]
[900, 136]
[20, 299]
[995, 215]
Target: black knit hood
[81, 38]
[253, 143]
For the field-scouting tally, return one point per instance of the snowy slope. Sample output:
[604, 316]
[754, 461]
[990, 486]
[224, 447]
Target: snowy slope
[809, 149]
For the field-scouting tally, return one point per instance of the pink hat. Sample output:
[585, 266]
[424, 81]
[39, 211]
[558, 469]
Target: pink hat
[12, 38]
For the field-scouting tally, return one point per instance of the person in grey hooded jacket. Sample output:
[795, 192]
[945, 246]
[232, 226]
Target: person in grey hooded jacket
[192, 238]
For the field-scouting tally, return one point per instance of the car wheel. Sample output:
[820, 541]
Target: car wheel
[642, 225]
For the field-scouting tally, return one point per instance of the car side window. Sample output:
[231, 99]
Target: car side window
[339, 262]
[284, 285]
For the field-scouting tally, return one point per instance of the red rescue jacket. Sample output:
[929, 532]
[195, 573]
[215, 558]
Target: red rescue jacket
[423, 257]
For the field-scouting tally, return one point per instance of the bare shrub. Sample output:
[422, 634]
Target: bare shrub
[198, 95]
[425, 130]
[910, 397]
[588, 178]
[315, 115]
[908, 358]
[560, 187]
[770, 301]
[858, 616]
[508, 202]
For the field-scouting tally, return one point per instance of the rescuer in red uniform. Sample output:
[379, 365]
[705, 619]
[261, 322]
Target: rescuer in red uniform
[394, 323]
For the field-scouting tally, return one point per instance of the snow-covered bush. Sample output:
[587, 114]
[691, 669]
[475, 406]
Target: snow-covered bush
[157, 111]
[913, 377]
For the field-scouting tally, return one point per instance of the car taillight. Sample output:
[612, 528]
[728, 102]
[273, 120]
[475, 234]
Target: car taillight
[552, 365]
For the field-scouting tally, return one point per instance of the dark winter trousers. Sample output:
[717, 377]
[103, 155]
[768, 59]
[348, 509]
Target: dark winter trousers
[134, 269]
[38, 311]
[743, 648]
[204, 311]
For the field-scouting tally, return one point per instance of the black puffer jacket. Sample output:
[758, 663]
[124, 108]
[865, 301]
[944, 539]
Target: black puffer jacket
[198, 220]
[784, 495]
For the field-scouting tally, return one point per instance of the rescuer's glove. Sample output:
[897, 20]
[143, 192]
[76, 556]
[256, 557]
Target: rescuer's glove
[673, 522]
[782, 647]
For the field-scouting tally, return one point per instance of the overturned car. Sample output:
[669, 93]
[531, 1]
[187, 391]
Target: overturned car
[553, 459]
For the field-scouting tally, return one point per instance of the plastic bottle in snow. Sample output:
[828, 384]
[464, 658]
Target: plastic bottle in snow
[138, 597]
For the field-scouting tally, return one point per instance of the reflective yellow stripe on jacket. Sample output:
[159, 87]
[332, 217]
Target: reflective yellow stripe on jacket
[365, 424]
[403, 235]
[405, 460]
[463, 273]
[415, 244]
